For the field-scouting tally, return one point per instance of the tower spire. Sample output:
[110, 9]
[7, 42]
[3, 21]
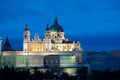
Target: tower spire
[26, 27]
[47, 28]
[56, 21]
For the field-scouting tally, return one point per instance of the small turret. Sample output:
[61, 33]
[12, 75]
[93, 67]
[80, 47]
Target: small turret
[36, 37]
[26, 27]
[47, 32]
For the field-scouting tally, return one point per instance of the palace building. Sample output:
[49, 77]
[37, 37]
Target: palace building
[54, 50]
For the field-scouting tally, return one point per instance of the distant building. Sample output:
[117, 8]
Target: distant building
[104, 60]
[55, 50]
[115, 53]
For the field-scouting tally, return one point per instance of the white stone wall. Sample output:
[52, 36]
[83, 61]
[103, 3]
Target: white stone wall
[22, 61]
[8, 60]
[67, 61]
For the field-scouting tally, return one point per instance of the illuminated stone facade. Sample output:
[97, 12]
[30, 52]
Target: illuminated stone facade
[54, 47]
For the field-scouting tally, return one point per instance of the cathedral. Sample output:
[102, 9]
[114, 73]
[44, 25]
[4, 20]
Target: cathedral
[53, 51]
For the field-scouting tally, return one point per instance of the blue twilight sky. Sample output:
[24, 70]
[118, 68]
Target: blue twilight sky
[96, 23]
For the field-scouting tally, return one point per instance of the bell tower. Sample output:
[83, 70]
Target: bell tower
[26, 34]
[26, 38]
[47, 33]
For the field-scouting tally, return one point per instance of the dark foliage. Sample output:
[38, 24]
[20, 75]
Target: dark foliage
[105, 75]
[7, 73]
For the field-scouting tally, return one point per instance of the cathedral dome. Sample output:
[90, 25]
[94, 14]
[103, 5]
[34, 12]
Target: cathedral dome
[56, 27]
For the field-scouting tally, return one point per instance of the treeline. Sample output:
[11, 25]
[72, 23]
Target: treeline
[105, 75]
[7, 73]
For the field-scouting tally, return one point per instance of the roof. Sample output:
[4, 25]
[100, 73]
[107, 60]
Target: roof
[56, 27]
[47, 28]
[26, 27]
